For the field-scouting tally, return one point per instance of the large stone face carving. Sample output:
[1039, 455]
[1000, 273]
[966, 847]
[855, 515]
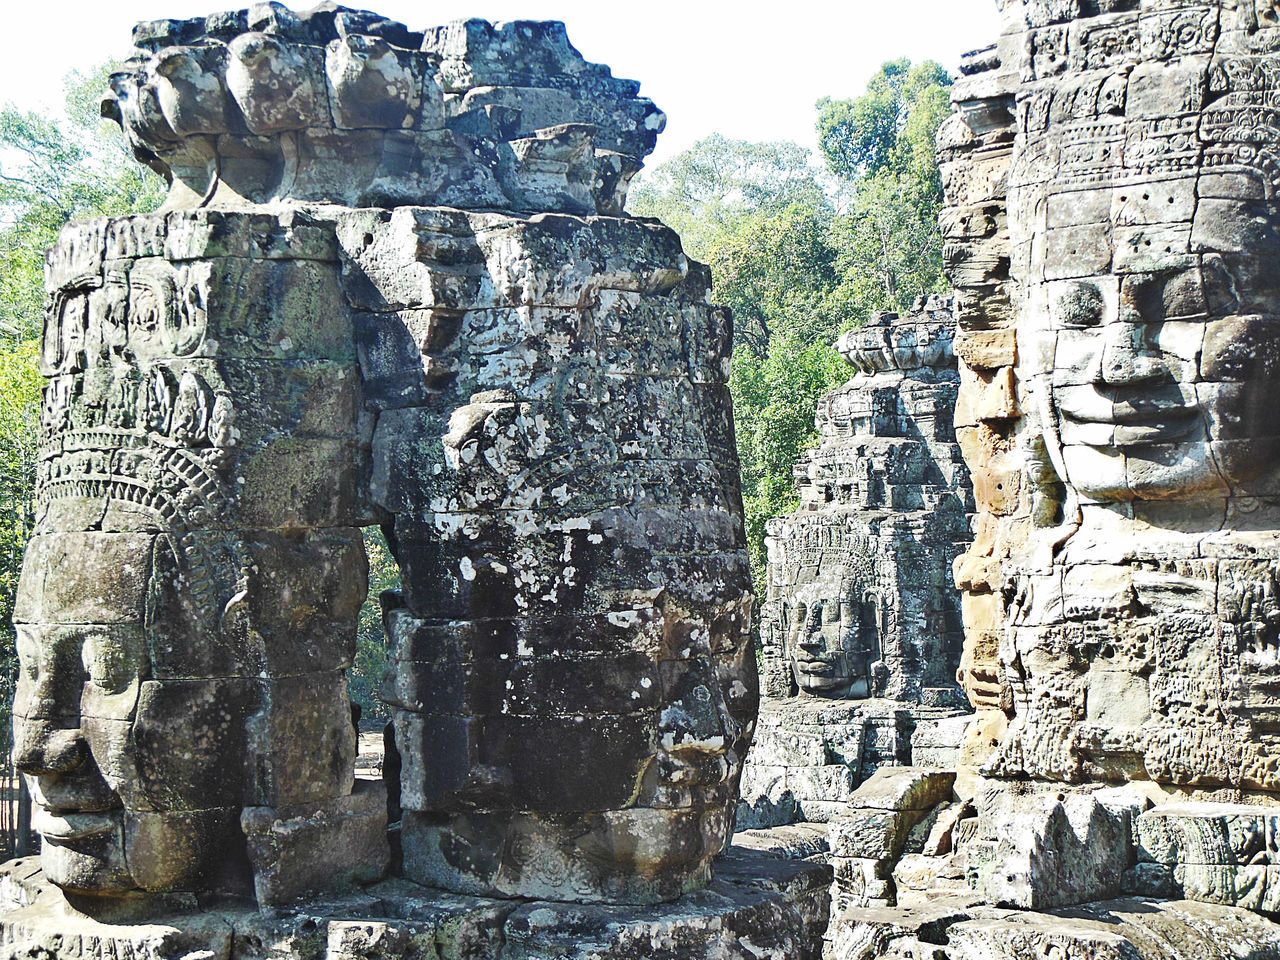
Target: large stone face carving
[861, 627]
[1110, 230]
[570, 659]
[1133, 573]
[533, 406]
[187, 606]
[860, 603]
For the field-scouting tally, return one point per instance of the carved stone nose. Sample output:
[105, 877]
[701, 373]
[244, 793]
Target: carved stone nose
[1125, 356]
[40, 749]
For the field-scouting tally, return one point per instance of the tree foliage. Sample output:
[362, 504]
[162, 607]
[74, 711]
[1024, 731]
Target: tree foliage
[19, 423]
[891, 127]
[802, 254]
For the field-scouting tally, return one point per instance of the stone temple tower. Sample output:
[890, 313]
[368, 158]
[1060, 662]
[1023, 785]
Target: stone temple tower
[861, 628]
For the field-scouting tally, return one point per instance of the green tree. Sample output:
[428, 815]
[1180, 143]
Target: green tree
[802, 255]
[709, 189]
[371, 653]
[881, 145]
[19, 427]
[891, 127]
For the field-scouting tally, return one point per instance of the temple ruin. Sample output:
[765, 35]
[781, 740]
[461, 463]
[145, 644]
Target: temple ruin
[1110, 186]
[860, 627]
[391, 284]
[394, 284]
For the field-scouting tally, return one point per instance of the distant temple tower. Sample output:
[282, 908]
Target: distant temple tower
[861, 628]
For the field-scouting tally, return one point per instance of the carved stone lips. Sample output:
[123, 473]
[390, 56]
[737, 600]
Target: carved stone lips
[1134, 421]
[816, 668]
[63, 827]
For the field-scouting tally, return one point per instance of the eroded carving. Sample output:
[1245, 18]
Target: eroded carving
[861, 612]
[341, 106]
[534, 407]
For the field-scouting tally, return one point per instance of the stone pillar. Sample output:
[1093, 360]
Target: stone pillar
[570, 657]
[1111, 185]
[188, 604]
[975, 146]
[323, 333]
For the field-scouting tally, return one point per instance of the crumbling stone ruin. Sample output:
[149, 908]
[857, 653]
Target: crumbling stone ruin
[860, 627]
[1110, 232]
[391, 285]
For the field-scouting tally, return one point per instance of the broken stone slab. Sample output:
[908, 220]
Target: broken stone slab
[872, 834]
[1042, 848]
[1211, 852]
[867, 841]
[920, 933]
[758, 908]
[904, 789]
[1119, 930]
[917, 877]
[936, 743]
[862, 882]
[795, 841]
[1207, 833]
[729, 921]
[804, 885]
[307, 849]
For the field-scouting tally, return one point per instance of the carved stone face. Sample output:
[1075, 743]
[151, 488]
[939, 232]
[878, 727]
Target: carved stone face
[186, 610]
[134, 781]
[145, 722]
[826, 650]
[1160, 379]
[1147, 276]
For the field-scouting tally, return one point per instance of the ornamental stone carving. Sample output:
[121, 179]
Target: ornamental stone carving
[1119, 368]
[1110, 227]
[344, 106]
[861, 627]
[392, 286]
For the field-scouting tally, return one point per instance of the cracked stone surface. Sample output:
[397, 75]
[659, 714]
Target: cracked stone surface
[391, 285]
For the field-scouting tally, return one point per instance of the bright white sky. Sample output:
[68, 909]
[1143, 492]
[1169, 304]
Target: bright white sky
[748, 70]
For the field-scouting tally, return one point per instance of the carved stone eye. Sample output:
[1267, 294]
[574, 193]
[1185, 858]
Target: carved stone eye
[1080, 306]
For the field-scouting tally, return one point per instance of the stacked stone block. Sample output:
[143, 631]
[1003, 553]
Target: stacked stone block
[861, 628]
[393, 286]
[188, 603]
[570, 655]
